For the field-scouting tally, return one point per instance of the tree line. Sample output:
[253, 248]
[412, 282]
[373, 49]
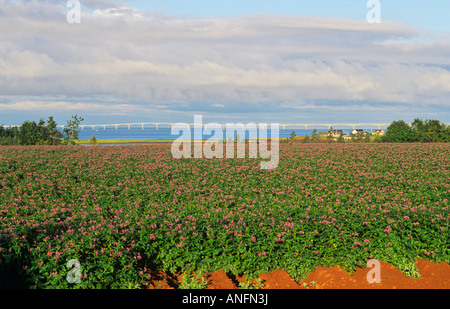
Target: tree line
[419, 131]
[41, 133]
[47, 133]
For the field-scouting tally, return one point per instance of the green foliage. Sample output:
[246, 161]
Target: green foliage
[9, 134]
[29, 133]
[330, 137]
[32, 133]
[124, 211]
[71, 130]
[399, 132]
[429, 131]
[191, 280]
[54, 135]
[314, 135]
[310, 285]
[257, 283]
[93, 140]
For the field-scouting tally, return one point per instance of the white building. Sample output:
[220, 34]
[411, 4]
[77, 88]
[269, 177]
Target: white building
[356, 131]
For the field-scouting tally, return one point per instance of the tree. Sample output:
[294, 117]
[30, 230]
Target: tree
[399, 132]
[430, 131]
[93, 140]
[29, 133]
[32, 133]
[9, 136]
[314, 135]
[419, 129]
[434, 132]
[330, 137]
[293, 135]
[43, 133]
[447, 134]
[54, 135]
[71, 130]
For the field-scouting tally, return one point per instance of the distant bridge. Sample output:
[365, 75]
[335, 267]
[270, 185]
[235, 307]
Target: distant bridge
[157, 125]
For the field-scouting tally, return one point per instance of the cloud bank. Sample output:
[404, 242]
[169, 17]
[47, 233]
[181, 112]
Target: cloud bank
[140, 61]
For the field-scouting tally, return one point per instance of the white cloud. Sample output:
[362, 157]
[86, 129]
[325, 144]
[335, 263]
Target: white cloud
[58, 106]
[122, 52]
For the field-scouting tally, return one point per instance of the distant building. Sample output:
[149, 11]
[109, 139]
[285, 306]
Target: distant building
[356, 131]
[336, 133]
[378, 132]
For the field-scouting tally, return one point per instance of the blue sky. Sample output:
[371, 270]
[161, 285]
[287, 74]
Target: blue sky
[430, 15]
[260, 61]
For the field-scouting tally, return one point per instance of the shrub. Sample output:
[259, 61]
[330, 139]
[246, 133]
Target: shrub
[399, 132]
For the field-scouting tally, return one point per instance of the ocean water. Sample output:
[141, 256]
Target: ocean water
[166, 134]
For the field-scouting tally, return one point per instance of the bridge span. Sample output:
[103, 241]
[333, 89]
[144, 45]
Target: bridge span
[157, 125]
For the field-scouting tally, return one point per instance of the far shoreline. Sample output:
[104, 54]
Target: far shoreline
[139, 141]
[124, 141]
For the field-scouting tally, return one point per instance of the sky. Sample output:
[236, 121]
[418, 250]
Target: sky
[285, 61]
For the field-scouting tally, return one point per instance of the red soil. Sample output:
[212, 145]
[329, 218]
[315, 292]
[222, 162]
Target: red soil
[433, 276]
